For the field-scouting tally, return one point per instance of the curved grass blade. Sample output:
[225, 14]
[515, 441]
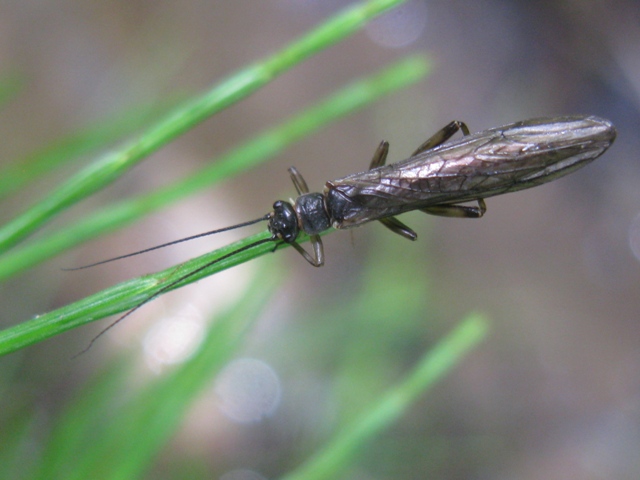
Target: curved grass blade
[126, 295]
[341, 451]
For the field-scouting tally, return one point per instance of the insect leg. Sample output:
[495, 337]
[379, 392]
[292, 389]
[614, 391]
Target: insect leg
[396, 226]
[459, 211]
[298, 181]
[392, 223]
[318, 259]
[442, 136]
[380, 156]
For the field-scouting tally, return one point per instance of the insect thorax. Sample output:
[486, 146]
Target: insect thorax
[312, 213]
[342, 209]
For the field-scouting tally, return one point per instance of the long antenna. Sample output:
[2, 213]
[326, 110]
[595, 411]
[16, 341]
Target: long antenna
[193, 237]
[171, 285]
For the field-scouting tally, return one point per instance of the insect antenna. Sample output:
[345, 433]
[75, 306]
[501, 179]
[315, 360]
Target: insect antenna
[192, 237]
[171, 285]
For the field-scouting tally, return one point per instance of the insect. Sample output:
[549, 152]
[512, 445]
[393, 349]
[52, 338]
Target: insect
[438, 178]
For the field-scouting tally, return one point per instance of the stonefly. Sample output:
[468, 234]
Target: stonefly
[437, 179]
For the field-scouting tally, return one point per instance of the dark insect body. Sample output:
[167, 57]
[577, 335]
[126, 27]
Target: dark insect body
[436, 179]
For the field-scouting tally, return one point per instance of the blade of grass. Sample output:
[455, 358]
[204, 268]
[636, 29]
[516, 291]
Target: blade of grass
[331, 461]
[126, 295]
[114, 164]
[266, 145]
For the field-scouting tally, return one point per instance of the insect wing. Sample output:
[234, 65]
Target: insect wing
[492, 162]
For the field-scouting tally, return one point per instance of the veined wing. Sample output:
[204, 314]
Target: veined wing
[488, 163]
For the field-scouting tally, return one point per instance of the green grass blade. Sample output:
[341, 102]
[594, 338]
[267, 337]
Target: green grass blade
[343, 448]
[114, 164]
[266, 145]
[126, 295]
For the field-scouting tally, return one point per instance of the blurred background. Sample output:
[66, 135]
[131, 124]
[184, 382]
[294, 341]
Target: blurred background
[553, 393]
